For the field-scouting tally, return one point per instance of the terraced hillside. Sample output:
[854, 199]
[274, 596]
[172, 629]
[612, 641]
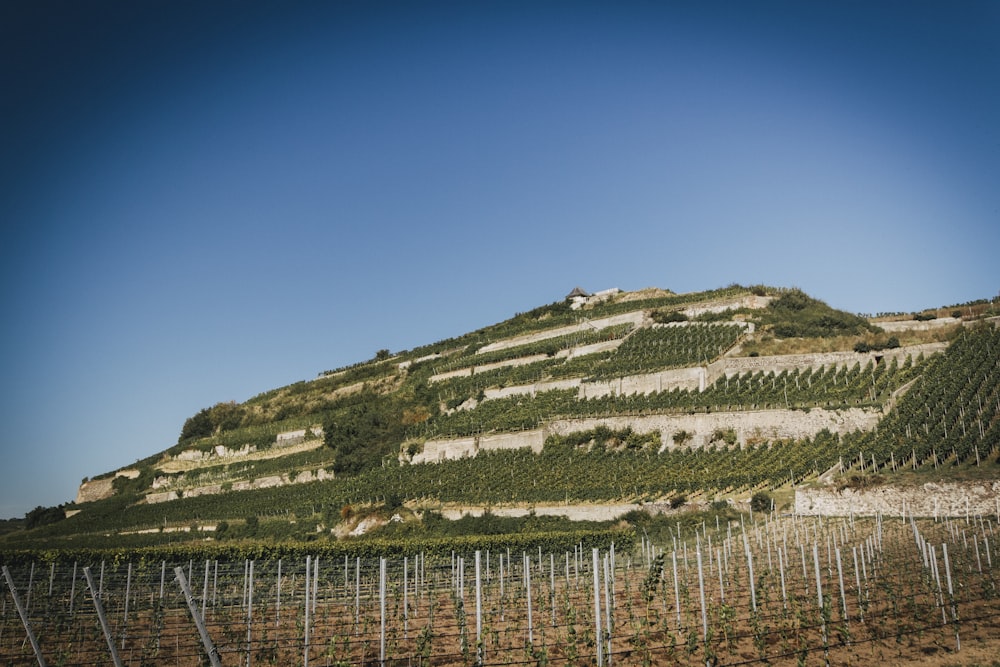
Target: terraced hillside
[635, 397]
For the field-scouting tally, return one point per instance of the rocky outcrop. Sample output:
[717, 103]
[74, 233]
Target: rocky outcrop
[98, 489]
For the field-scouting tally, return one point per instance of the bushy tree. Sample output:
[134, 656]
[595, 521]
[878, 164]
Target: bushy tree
[760, 502]
[42, 516]
[363, 434]
[209, 421]
[198, 426]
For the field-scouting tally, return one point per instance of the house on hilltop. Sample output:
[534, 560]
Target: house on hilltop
[579, 297]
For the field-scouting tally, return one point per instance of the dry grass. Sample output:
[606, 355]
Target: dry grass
[766, 345]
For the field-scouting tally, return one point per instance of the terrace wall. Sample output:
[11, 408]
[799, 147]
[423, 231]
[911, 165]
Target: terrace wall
[932, 499]
[749, 427]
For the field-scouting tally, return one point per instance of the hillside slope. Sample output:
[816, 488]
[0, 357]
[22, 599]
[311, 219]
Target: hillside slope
[642, 396]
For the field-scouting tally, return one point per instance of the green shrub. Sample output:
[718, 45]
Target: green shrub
[761, 502]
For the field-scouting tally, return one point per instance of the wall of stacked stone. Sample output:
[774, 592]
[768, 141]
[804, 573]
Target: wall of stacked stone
[530, 389]
[692, 379]
[750, 301]
[242, 485]
[917, 325]
[748, 426]
[99, 489]
[456, 448]
[933, 499]
[637, 318]
[731, 366]
[593, 348]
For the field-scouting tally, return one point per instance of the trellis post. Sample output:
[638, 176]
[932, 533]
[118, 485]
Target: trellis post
[24, 617]
[213, 654]
[104, 621]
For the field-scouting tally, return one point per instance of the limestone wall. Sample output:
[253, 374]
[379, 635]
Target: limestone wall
[679, 378]
[95, 489]
[99, 489]
[241, 485]
[730, 366]
[455, 448]
[637, 318]
[928, 500]
[533, 439]
[461, 372]
[594, 348]
[446, 448]
[749, 427]
[530, 389]
[749, 301]
[519, 361]
[917, 325]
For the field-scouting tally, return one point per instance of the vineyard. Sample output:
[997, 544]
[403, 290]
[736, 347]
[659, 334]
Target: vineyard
[833, 388]
[952, 414]
[960, 396]
[767, 590]
[663, 346]
[282, 573]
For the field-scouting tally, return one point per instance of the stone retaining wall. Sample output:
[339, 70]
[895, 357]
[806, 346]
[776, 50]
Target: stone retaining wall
[242, 485]
[637, 318]
[748, 426]
[928, 500]
[730, 366]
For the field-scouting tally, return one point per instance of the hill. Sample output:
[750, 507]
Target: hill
[619, 399]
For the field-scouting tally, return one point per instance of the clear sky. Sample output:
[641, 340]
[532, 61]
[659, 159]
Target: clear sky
[201, 201]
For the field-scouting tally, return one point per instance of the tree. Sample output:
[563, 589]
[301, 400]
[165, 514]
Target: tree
[42, 516]
[198, 426]
[761, 502]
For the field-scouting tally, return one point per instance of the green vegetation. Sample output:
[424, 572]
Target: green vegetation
[657, 348]
[797, 315]
[942, 413]
[43, 516]
[951, 414]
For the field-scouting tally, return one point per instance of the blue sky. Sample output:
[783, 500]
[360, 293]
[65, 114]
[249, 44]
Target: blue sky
[205, 200]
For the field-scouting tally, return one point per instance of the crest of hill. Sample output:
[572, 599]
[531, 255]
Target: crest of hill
[399, 382]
